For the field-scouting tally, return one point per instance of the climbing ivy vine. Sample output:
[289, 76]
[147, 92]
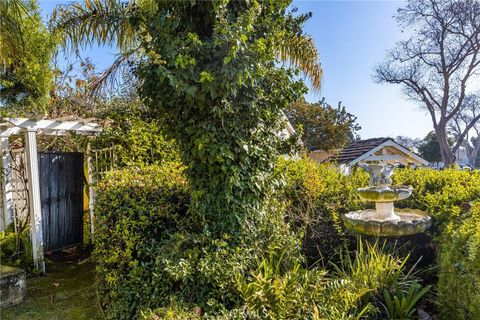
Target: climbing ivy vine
[212, 72]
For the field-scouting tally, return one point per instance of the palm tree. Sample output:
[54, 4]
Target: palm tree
[107, 22]
[11, 39]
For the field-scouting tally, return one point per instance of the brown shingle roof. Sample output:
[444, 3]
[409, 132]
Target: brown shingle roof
[358, 148]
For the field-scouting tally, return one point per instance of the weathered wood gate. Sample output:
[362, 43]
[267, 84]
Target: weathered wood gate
[61, 194]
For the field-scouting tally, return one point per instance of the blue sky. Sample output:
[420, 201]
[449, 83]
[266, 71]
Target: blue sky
[352, 37]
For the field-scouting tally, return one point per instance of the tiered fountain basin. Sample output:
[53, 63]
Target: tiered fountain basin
[386, 194]
[385, 220]
[405, 222]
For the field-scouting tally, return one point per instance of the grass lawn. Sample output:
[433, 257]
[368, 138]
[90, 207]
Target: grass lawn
[65, 293]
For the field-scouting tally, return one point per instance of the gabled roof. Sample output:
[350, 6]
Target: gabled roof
[364, 150]
[358, 148]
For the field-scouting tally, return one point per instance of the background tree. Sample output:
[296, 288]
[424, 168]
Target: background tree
[439, 64]
[323, 127]
[429, 148]
[26, 50]
[471, 142]
[410, 143]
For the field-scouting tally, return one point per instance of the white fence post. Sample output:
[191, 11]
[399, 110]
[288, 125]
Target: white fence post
[36, 228]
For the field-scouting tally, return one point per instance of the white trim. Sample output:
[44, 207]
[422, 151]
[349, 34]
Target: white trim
[389, 143]
[47, 127]
[36, 227]
[395, 157]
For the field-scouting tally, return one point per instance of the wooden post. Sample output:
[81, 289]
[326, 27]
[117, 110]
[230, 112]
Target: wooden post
[7, 187]
[91, 191]
[36, 227]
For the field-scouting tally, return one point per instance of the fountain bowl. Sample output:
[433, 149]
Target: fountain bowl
[404, 223]
[387, 194]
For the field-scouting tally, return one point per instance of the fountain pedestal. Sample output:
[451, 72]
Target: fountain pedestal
[385, 220]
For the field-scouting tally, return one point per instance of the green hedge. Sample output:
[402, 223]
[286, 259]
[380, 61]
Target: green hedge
[135, 211]
[316, 197]
[459, 267]
[151, 255]
[16, 249]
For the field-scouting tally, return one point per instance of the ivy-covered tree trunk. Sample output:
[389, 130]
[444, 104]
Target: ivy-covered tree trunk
[211, 72]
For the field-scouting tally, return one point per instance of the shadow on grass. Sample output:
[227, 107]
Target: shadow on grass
[67, 292]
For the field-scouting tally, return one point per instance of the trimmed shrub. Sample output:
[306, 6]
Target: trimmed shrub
[442, 194]
[459, 267]
[150, 252]
[136, 211]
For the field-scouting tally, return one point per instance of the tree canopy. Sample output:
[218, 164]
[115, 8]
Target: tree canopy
[323, 126]
[26, 50]
[429, 148]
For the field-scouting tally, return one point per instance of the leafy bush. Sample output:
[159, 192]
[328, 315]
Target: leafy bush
[137, 136]
[442, 194]
[16, 249]
[150, 252]
[135, 212]
[459, 263]
[317, 196]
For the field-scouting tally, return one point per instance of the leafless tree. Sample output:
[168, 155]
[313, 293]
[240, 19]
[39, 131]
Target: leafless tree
[471, 142]
[410, 143]
[439, 65]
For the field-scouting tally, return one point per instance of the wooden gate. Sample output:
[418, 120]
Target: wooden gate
[61, 193]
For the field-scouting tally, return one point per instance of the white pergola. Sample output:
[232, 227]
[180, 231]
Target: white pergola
[31, 128]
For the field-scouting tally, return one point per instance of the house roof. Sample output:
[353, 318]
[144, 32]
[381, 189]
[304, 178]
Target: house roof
[365, 150]
[358, 148]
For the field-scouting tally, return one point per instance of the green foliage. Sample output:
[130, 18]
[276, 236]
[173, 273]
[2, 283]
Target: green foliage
[459, 263]
[151, 253]
[323, 126]
[401, 305]
[354, 291]
[136, 211]
[26, 50]
[444, 194]
[373, 269]
[215, 82]
[429, 147]
[316, 197]
[275, 292]
[16, 249]
[138, 139]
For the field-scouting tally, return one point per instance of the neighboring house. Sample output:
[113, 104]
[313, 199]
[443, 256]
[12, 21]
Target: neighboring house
[461, 156]
[375, 149]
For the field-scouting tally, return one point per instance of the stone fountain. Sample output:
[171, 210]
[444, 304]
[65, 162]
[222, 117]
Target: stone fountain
[385, 220]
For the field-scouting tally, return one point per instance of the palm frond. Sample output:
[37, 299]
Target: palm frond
[101, 22]
[299, 51]
[11, 40]
[109, 78]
